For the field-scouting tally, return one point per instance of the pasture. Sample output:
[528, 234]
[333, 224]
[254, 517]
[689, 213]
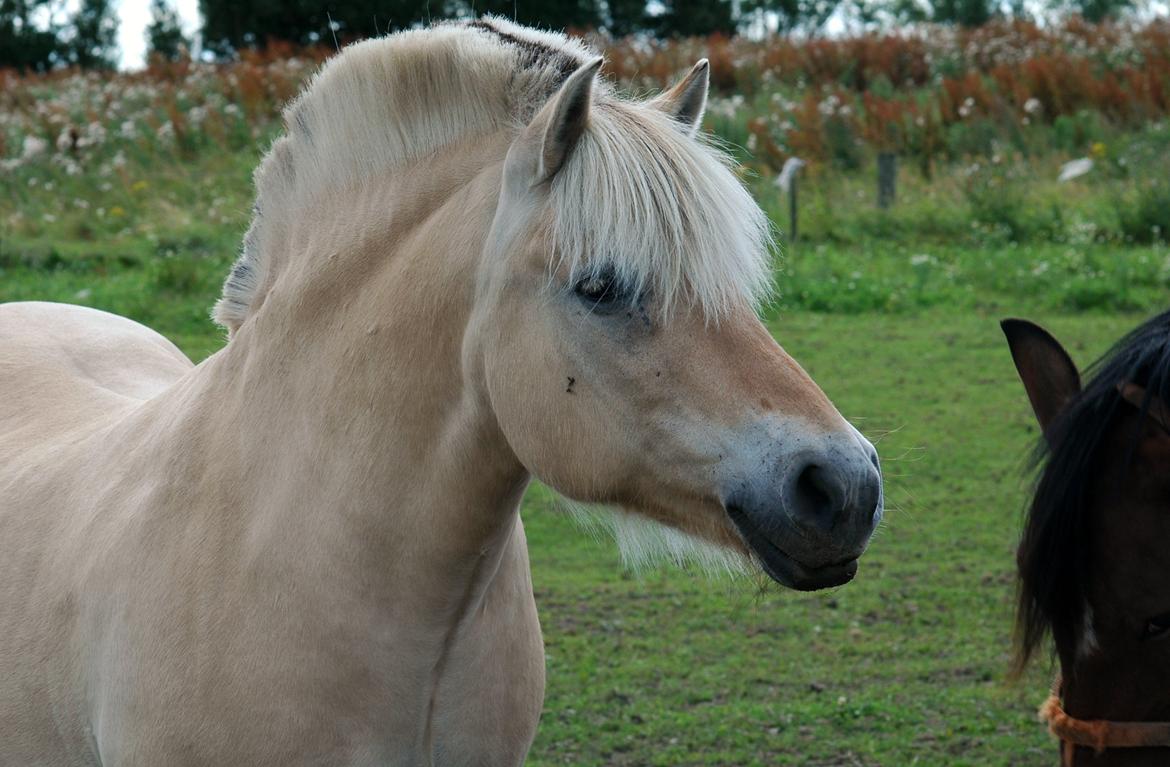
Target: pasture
[894, 314]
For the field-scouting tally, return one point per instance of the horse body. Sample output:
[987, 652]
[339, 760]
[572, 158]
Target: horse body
[306, 549]
[285, 632]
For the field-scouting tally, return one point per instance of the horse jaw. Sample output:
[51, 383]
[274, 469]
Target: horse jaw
[645, 544]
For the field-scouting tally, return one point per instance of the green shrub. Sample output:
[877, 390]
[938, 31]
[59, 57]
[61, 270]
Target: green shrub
[997, 199]
[1144, 215]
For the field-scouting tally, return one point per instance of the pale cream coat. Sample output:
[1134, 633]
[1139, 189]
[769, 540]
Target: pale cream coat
[306, 550]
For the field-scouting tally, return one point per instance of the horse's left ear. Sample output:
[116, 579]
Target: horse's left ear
[687, 101]
[1047, 372]
[1151, 404]
[565, 119]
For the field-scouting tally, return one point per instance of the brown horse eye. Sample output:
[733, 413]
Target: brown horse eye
[599, 289]
[596, 289]
[1158, 626]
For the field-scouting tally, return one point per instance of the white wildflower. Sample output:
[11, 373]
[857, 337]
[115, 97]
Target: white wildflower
[65, 140]
[33, 146]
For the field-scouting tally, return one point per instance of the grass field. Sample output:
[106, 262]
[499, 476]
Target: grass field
[894, 314]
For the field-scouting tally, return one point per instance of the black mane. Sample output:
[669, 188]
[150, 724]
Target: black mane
[1053, 558]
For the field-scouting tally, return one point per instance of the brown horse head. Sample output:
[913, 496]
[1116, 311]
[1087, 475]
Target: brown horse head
[1095, 554]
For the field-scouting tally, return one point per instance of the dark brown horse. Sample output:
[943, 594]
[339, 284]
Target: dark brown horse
[1094, 562]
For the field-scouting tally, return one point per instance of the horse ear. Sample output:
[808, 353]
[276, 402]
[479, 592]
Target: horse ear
[1150, 404]
[566, 116]
[687, 101]
[1050, 377]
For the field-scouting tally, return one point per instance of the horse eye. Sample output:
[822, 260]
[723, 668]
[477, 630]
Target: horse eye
[598, 289]
[1158, 626]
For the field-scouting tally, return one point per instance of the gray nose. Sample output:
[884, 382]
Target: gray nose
[834, 491]
[807, 514]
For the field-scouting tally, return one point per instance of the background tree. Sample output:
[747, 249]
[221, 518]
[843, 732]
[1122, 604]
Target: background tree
[91, 41]
[164, 34]
[788, 15]
[1097, 11]
[550, 14]
[626, 17]
[965, 13]
[24, 45]
[230, 25]
[684, 18]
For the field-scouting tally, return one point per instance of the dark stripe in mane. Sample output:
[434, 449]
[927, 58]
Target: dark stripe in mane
[1054, 555]
[535, 55]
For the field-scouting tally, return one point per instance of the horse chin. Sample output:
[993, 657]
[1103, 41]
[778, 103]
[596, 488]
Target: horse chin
[785, 569]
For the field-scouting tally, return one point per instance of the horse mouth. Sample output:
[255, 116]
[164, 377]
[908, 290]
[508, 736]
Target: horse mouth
[783, 568]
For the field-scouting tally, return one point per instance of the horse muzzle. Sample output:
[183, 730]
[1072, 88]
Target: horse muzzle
[809, 515]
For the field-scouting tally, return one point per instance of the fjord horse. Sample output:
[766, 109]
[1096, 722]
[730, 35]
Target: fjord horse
[471, 264]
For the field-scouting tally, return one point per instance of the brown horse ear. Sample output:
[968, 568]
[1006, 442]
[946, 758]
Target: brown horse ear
[1049, 375]
[687, 101]
[1155, 408]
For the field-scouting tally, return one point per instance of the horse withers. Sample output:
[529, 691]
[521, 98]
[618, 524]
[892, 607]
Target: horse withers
[471, 264]
[1095, 553]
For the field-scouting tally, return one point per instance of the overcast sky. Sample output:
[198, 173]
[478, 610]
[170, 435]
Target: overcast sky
[134, 15]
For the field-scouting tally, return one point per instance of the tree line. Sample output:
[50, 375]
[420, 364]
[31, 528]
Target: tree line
[42, 34]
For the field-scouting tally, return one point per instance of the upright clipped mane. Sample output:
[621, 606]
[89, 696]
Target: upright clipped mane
[638, 195]
[1054, 558]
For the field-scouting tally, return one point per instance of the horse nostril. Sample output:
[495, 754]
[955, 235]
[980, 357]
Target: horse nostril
[818, 495]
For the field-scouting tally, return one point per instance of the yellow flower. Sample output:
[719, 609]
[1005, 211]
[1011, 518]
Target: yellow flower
[1097, 150]
[117, 210]
[138, 186]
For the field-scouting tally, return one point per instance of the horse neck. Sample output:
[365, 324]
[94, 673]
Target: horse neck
[348, 390]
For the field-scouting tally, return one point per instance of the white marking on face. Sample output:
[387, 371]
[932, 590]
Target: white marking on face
[1088, 642]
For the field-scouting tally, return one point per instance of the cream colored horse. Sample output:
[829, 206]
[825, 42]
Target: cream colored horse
[471, 264]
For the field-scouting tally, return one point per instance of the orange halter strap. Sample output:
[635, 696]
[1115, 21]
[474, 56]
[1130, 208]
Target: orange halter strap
[1098, 734]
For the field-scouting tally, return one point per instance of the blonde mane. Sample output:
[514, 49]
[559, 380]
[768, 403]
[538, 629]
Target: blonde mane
[638, 195]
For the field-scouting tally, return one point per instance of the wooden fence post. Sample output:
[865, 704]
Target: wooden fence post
[887, 163]
[786, 181]
[792, 230]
